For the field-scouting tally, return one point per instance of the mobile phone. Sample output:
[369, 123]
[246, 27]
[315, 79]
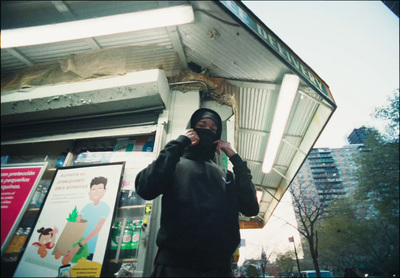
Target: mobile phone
[64, 271]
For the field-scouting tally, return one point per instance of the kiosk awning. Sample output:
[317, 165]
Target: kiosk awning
[222, 39]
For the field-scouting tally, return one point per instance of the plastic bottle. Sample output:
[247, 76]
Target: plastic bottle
[114, 238]
[60, 159]
[36, 196]
[22, 240]
[43, 193]
[124, 197]
[14, 241]
[130, 200]
[126, 249]
[133, 199]
[10, 253]
[137, 231]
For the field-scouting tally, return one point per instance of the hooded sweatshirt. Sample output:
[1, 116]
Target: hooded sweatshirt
[199, 226]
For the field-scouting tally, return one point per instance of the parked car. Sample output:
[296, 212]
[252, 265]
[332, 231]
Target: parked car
[313, 273]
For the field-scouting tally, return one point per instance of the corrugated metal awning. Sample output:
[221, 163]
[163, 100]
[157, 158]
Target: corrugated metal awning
[226, 40]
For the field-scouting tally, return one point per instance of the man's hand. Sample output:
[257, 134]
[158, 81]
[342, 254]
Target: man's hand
[70, 254]
[192, 135]
[225, 147]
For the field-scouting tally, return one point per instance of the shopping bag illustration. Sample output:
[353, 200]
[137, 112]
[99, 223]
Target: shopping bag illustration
[71, 234]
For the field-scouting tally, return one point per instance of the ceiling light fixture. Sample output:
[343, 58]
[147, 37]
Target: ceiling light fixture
[259, 195]
[286, 97]
[96, 27]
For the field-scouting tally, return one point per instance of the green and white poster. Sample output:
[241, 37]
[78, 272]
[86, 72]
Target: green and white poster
[72, 231]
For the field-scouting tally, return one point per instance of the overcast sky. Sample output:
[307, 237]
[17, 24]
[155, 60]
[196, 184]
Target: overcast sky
[354, 47]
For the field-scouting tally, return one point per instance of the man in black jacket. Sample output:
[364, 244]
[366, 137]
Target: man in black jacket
[201, 201]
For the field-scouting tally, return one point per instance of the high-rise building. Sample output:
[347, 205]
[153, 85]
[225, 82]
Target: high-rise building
[329, 173]
[359, 135]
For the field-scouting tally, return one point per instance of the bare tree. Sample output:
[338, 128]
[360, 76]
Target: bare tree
[310, 208]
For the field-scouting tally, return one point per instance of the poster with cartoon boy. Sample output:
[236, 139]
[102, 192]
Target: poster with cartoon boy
[95, 213]
[76, 218]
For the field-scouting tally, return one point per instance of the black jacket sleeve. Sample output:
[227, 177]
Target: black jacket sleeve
[153, 180]
[247, 199]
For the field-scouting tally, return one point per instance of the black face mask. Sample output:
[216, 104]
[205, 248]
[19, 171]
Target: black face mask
[205, 149]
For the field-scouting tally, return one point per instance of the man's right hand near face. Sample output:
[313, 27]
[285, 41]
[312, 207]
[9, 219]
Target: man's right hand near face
[192, 135]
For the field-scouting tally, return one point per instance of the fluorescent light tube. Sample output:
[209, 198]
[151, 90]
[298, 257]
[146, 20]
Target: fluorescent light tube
[259, 195]
[286, 97]
[96, 27]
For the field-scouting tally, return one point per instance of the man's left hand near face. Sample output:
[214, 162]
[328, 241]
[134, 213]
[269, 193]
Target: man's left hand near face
[225, 147]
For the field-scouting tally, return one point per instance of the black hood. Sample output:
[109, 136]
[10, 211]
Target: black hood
[205, 150]
[206, 113]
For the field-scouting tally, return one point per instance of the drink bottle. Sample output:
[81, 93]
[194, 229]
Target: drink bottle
[42, 195]
[21, 242]
[137, 230]
[116, 231]
[36, 196]
[12, 251]
[126, 241]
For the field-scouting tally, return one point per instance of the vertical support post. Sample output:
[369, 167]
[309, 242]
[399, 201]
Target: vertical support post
[291, 239]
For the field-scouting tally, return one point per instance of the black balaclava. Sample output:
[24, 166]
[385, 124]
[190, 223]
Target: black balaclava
[205, 149]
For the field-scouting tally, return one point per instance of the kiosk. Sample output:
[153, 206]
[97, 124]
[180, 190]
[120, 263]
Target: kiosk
[75, 100]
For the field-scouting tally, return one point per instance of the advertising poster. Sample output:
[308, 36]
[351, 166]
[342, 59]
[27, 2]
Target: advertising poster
[72, 231]
[17, 186]
[137, 152]
[135, 162]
